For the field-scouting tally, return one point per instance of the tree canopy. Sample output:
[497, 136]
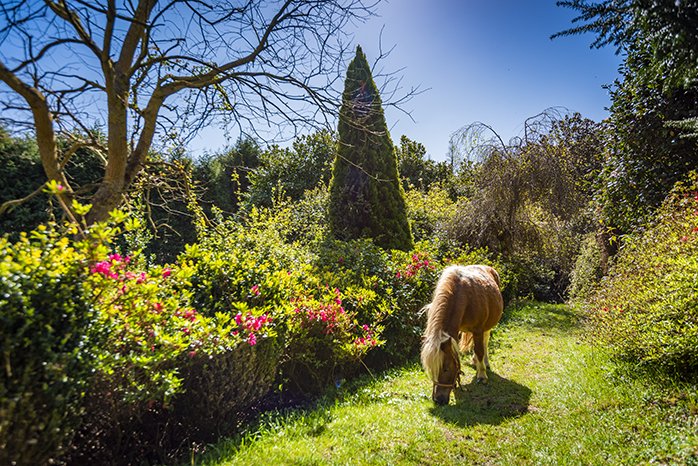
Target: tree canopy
[143, 70]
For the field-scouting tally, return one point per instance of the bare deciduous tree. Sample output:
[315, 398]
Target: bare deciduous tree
[74, 69]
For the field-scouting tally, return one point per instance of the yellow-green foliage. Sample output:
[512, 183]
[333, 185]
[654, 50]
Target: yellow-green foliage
[427, 211]
[139, 359]
[48, 343]
[646, 310]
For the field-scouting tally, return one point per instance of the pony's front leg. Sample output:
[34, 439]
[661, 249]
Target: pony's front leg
[480, 357]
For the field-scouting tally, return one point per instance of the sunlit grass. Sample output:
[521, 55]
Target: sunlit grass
[552, 399]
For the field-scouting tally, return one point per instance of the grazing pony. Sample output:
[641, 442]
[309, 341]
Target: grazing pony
[467, 300]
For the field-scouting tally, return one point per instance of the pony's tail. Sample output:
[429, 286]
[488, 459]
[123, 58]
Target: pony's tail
[432, 356]
[466, 342]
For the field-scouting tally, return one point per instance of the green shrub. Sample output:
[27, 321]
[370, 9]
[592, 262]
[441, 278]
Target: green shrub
[587, 273]
[428, 211]
[49, 336]
[646, 310]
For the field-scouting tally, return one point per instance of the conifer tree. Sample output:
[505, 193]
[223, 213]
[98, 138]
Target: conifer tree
[366, 197]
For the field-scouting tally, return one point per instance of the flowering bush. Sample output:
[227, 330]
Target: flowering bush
[324, 341]
[140, 355]
[646, 310]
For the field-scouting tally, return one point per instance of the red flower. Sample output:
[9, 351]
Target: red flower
[166, 272]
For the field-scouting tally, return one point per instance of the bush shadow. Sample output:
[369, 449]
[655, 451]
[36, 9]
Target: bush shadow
[490, 403]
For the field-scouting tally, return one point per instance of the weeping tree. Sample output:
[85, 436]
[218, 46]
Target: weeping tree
[366, 196]
[146, 71]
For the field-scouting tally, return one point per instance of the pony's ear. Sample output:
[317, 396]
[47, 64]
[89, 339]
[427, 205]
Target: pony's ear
[444, 337]
[444, 340]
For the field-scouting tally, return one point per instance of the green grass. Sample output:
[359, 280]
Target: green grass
[552, 399]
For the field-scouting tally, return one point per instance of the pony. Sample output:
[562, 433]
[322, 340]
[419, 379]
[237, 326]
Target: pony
[467, 301]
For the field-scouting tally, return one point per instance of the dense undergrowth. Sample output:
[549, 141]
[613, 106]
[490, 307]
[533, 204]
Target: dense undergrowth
[109, 358]
[646, 309]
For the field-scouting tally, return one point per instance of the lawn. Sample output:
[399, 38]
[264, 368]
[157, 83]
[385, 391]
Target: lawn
[552, 398]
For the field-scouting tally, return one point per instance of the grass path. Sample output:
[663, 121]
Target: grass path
[550, 400]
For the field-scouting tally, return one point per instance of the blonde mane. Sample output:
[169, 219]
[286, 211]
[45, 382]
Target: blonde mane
[435, 335]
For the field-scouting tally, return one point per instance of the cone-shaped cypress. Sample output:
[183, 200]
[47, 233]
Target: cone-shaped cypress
[366, 197]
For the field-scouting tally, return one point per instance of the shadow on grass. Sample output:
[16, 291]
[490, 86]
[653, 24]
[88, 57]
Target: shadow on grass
[490, 403]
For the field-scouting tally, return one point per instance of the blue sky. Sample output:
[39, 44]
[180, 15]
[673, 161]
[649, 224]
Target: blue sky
[480, 60]
[491, 61]
[477, 60]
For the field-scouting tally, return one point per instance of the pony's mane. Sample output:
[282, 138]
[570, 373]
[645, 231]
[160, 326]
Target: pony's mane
[435, 334]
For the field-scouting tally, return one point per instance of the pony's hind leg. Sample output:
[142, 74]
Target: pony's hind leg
[480, 356]
[487, 352]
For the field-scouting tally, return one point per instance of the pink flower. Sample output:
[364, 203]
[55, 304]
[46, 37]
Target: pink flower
[365, 327]
[166, 272]
[141, 278]
[191, 354]
[252, 339]
[158, 307]
[114, 257]
[103, 267]
[186, 330]
[684, 239]
[255, 290]
[238, 318]
[60, 188]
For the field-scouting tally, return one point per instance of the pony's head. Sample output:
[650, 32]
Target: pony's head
[441, 362]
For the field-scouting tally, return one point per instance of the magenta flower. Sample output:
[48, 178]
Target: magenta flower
[103, 267]
[252, 339]
[166, 272]
[255, 290]
[238, 318]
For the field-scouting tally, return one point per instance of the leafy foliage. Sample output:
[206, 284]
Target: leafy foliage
[416, 171]
[50, 338]
[645, 311]
[366, 197]
[289, 172]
